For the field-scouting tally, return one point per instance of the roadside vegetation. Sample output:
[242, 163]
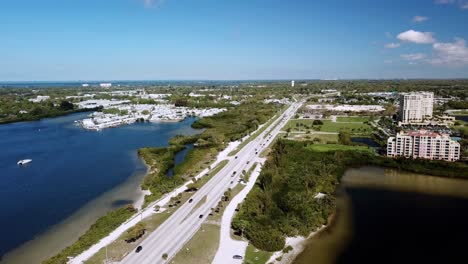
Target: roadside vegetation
[103, 226]
[283, 202]
[219, 130]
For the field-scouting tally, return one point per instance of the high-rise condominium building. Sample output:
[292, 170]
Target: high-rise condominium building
[415, 107]
[423, 144]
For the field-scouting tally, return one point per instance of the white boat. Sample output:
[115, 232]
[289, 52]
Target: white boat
[25, 161]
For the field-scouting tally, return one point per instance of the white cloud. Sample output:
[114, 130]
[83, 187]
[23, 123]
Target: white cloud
[413, 57]
[463, 4]
[444, 2]
[392, 45]
[451, 54]
[416, 37]
[419, 19]
[388, 61]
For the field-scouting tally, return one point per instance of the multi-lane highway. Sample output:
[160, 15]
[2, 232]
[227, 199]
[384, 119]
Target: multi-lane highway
[177, 230]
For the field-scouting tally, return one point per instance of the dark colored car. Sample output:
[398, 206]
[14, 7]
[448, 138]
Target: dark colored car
[191, 200]
[201, 216]
[138, 249]
[237, 257]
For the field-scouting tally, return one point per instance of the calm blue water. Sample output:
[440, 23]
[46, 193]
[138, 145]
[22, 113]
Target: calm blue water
[70, 167]
[363, 140]
[463, 118]
[179, 157]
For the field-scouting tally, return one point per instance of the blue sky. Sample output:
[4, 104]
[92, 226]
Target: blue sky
[232, 39]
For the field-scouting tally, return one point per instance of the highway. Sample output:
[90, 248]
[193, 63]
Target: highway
[178, 229]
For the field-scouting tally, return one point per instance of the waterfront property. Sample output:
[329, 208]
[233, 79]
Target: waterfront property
[423, 144]
[416, 107]
[123, 114]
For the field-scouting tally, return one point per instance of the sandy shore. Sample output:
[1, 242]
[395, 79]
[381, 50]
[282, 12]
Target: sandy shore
[66, 232]
[223, 155]
[297, 243]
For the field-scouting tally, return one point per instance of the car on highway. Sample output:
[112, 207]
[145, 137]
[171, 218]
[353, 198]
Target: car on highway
[200, 216]
[237, 257]
[138, 249]
[191, 200]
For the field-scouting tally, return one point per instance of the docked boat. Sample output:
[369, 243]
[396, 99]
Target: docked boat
[24, 162]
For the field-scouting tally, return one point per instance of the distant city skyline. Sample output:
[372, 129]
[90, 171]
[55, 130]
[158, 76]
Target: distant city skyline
[87, 40]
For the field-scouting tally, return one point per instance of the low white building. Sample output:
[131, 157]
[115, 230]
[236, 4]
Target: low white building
[423, 144]
[347, 108]
[105, 85]
[89, 104]
[39, 98]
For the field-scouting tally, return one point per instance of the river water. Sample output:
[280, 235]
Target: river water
[75, 177]
[389, 216]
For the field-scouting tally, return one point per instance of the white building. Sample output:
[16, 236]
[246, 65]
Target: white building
[293, 83]
[423, 144]
[416, 107]
[39, 98]
[105, 85]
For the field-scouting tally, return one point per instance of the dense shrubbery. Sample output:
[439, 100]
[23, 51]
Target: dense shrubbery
[239, 121]
[457, 104]
[134, 233]
[282, 203]
[161, 159]
[96, 232]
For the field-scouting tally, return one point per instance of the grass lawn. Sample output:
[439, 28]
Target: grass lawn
[335, 147]
[201, 248]
[328, 126]
[293, 124]
[256, 256]
[319, 138]
[354, 128]
[361, 119]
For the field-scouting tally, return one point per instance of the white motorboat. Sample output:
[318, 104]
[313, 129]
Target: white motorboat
[24, 162]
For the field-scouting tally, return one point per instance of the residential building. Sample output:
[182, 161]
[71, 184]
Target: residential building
[423, 144]
[105, 85]
[416, 107]
[39, 98]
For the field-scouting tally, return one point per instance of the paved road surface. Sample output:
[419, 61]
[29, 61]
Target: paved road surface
[178, 229]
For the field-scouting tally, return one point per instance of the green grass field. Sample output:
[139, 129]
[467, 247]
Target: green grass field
[354, 128]
[328, 126]
[335, 147]
[201, 248]
[361, 119]
[255, 256]
[319, 138]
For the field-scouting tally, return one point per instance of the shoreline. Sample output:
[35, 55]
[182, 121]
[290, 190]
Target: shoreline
[67, 231]
[298, 244]
[148, 210]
